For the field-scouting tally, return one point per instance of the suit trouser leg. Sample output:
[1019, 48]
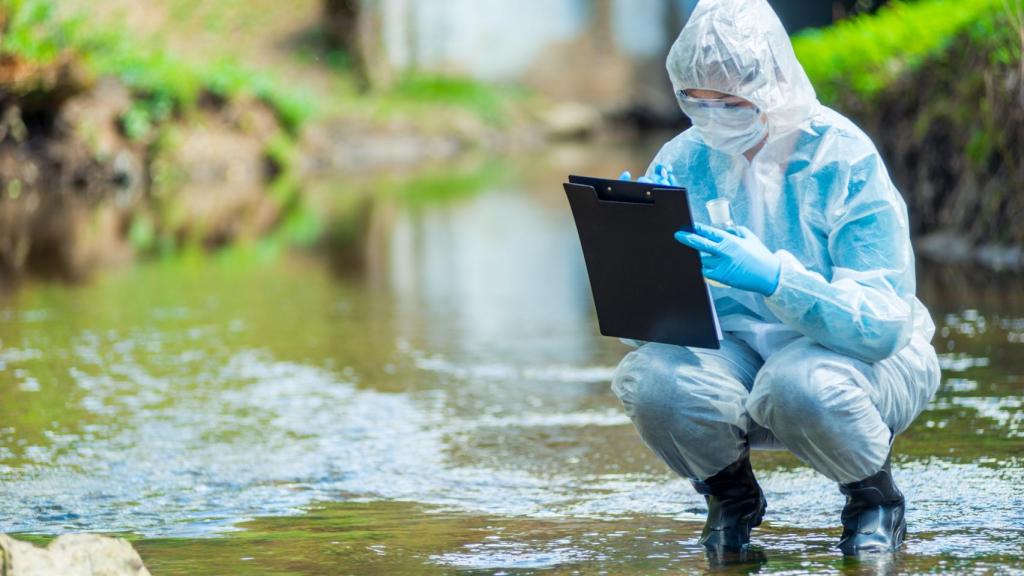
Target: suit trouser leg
[688, 403]
[837, 413]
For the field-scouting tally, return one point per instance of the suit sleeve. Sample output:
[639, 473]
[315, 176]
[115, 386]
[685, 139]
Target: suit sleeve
[866, 308]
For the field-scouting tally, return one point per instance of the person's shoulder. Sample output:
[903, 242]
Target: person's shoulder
[845, 149]
[835, 132]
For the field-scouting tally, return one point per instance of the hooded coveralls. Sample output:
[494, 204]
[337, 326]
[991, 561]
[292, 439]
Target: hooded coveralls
[838, 359]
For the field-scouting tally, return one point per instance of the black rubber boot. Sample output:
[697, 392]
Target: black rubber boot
[873, 515]
[736, 505]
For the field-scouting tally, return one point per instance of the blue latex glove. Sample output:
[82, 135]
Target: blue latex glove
[738, 260]
[663, 175]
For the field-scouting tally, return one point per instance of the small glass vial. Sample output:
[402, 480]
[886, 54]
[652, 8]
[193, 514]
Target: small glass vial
[720, 212]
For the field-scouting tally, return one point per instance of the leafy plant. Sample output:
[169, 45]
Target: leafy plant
[865, 54]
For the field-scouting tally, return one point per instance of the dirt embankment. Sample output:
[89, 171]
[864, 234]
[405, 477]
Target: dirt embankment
[77, 193]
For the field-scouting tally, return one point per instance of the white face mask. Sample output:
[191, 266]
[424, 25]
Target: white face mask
[732, 132]
[731, 129]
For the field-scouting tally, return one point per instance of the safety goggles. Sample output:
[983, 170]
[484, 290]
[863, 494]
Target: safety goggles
[689, 102]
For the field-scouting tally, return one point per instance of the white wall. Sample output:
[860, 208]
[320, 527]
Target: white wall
[501, 40]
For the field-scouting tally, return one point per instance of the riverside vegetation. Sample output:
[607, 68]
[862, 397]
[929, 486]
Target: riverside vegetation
[940, 86]
[111, 147]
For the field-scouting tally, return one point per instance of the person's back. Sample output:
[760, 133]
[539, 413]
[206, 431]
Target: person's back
[827, 348]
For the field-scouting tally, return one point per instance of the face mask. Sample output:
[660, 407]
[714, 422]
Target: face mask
[731, 129]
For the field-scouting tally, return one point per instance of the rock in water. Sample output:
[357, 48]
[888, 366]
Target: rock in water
[71, 555]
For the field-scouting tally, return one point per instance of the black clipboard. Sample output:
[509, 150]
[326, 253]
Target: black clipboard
[646, 286]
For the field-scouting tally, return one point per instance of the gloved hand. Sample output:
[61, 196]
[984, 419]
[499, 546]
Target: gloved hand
[738, 260]
[663, 176]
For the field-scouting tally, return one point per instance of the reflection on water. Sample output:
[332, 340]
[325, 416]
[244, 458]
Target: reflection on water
[492, 272]
[441, 406]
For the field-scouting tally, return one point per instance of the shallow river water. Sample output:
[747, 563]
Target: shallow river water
[427, 393]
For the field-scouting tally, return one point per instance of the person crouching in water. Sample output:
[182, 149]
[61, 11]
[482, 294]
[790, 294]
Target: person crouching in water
[826, 348]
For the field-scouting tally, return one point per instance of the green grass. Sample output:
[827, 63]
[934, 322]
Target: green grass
[485, 100]
[863, 55]
[27, 32]
[163, 82]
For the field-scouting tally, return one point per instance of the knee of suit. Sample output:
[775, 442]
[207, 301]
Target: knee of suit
[802, 391]
[662, 387]
[642, 381]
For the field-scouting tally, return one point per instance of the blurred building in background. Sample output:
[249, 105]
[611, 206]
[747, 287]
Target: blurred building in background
[582, 50]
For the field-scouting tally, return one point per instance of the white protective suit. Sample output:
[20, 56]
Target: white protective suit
[838, 359]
